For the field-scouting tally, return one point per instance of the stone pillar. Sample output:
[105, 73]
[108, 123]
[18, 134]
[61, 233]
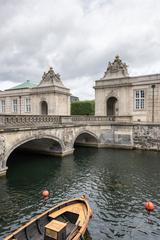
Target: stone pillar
[67, 152]
[3, 167]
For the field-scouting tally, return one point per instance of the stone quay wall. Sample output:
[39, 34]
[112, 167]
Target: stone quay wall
[132, 136]
[146, 136]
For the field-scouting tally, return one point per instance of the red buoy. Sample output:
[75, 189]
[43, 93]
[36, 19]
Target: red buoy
[149, 206]
[45, 193]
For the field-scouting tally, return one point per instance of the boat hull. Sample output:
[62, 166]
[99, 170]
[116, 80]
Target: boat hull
[68, 220]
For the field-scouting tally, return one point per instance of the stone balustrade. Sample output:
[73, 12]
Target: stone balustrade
[123, 118]
[92, 119]
[31, 121]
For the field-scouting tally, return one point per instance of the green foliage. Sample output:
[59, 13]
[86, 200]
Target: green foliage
[83, 108]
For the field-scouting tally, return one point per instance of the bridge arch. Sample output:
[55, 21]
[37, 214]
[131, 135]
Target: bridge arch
[40, 139]
[85, 138]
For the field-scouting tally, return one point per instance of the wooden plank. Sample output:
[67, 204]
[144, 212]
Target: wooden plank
[77, 208]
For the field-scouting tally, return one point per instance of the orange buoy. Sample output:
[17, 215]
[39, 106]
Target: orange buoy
[149, 206]
[45, 193]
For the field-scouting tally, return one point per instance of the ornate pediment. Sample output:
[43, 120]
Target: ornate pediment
[51, 78]
[116, 69]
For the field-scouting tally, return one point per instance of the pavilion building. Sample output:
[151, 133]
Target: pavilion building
[127, 98]
[49, 97]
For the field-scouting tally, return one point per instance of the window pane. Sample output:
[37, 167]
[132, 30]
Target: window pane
[27, 105]
[142, 93]
[2, 105]
[137, 103]
[142, 103]
[139, 99]
[137, 94]
[14, 105]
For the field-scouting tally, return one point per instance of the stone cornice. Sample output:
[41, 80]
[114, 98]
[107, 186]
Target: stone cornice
[128, 81]
[51, 87]
[34, 91]
[51, 91]
[46, 90]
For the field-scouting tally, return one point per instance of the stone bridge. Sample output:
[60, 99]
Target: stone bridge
[55, 135]
[58, 135]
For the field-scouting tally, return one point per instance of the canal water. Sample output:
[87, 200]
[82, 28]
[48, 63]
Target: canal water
[117, 183]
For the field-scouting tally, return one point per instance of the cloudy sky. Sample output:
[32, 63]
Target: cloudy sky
[77, 38]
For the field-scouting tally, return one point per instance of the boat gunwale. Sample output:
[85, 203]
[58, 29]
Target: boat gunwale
[49, 211]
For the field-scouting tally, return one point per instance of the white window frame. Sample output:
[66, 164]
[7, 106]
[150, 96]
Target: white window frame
[27, 104]
[2, 105]
[15, 105]
[139, 99]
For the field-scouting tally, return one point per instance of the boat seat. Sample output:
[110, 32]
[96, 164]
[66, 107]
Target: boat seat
[69, 227]
[55, 230]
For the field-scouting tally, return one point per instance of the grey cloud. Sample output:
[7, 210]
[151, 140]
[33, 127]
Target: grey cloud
[78, 38]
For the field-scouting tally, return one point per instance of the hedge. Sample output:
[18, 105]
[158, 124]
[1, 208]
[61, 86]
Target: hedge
[83, 108]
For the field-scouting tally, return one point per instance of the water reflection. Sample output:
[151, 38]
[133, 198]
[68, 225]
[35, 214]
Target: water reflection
[117, 183]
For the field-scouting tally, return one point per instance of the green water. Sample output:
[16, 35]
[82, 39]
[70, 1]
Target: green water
[117, 183]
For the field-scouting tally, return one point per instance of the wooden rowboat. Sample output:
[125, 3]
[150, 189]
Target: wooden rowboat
[66, 221]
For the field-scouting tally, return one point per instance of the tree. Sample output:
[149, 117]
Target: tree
[83, 108]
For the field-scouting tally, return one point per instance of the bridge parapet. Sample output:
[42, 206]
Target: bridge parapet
[51, 121]
[31, 121]
[92, 119]
[77, 119]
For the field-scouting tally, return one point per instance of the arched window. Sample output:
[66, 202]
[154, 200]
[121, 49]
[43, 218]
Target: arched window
[44, 108]
[112, 106]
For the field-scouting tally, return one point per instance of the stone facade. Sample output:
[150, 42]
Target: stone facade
[49, 97]
[129, 98]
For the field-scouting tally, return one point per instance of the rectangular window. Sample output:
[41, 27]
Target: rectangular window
[15, 105]
[2, 106]
[27, 105]
[139, 99]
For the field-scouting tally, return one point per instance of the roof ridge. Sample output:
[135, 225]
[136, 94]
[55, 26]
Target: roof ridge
[26, 84]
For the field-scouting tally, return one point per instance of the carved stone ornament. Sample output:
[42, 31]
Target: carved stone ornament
[51, 78]
[117, 69]
[2, 147]
[67, 137]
